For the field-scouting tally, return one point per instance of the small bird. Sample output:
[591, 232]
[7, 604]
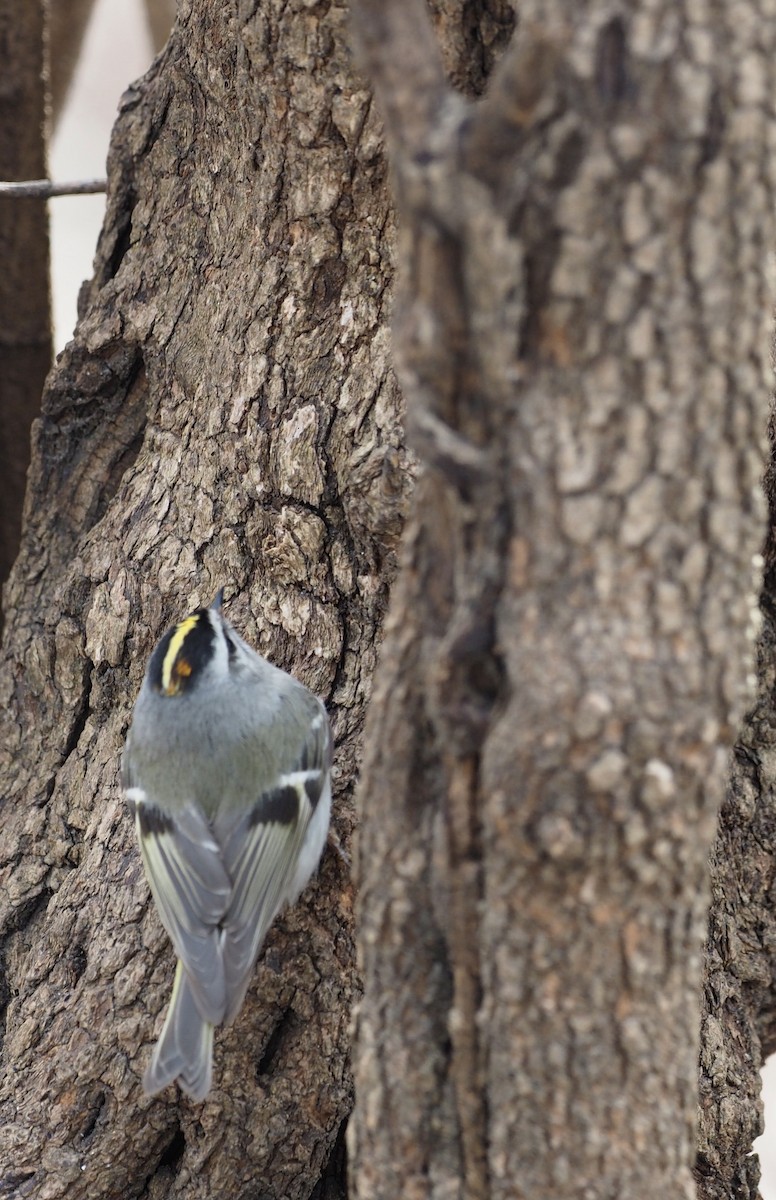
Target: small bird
[227, 773]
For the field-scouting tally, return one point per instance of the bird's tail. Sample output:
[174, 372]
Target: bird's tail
[185, 1047]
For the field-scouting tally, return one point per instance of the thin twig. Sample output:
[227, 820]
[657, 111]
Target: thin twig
[44, 189]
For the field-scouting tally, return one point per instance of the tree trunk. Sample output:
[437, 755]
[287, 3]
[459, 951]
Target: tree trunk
[583, 335]
[25, 318]
[68, 22]
[739, 1023]
[226, 415]
[583, 338]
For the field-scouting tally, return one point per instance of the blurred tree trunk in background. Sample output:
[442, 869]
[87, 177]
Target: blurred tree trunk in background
[25, 319]
[160, 15]
[583, 336]
[68, 23]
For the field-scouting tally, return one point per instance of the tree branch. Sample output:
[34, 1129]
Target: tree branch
[45, 189]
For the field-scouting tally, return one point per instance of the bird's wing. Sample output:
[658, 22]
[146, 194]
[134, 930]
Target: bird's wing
[261, 852]
[191, 887]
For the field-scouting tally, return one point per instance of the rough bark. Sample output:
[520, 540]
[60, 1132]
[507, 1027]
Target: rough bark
[225, 415]
[25, 319]
[739, 1022]
[583, 339]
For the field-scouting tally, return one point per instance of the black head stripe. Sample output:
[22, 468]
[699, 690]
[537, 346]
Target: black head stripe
[177, 662]
[156, 661]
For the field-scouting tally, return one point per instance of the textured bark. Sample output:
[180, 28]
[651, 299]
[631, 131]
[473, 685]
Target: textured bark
[225, 415]
[583, 340]
[739, 1025]
[25, 320]
[582, 334]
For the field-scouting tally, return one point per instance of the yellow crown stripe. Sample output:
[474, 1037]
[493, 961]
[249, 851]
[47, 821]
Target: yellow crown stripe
[182, 631]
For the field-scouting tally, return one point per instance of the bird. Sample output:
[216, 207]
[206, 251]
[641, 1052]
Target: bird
[226, 771]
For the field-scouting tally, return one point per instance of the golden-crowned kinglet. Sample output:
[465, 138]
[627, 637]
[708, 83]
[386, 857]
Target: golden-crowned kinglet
[226, 771]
